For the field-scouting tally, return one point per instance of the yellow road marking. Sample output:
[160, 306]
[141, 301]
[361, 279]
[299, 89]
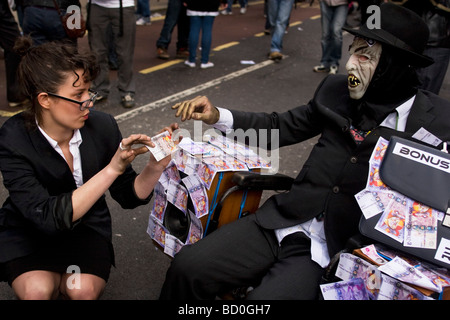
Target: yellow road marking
[8, 114]
[161, 66]
[226, 45]
[296, 23]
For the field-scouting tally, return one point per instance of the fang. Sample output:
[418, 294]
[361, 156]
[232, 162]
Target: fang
[353, 81]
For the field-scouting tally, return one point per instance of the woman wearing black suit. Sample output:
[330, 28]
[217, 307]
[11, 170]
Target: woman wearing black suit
[58, 159]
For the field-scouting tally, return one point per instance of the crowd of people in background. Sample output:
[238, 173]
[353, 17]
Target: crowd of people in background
[112, 34]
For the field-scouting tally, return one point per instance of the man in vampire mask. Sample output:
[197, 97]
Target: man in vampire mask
[281, 250]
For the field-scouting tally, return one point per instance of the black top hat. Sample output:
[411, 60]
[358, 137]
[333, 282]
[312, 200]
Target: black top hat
[400, 28]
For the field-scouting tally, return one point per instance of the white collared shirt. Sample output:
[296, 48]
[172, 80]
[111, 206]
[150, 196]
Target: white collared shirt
[74, 145]
[315, 229]
[397, 120]
[113, 3]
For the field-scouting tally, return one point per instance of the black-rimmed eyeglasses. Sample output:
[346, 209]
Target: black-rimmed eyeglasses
[83, 104]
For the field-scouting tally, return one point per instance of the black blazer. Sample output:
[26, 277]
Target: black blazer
[337, 167]
[204, 5]
[40, 183]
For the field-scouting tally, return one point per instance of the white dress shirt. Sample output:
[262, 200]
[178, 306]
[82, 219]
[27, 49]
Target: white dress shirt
[74, 145]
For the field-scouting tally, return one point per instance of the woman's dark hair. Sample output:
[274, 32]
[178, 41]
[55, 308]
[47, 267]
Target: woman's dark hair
[44, 68]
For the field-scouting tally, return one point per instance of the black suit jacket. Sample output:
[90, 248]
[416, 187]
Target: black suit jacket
[337, 167]
[40, 184]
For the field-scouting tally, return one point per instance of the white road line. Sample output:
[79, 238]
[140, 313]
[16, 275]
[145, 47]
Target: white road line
[177, 97]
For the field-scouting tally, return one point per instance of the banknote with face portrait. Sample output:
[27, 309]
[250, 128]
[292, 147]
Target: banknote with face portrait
[421, 227]
[401, 270]
[157, 231]
[392, 289]
[225, 162]
[197, 193]
[172, 245]
[439, 276]
[195, 229]
[164, 146]
[159, 202]
[374, 181]
[351, 266]
[368, 204]
[170, 173]
[177, 195]
[379, 151]
[254, 161]
[353, 289]
[192, 147]
[392, 221]
[229, 146]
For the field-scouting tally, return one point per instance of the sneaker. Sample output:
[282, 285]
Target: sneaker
[143, 21]
[243, 10]
[18, 104]
[333, 70]
[182, 53]
[321, 68]
[190, 64]
[128, 100]
[162, 53]
[225, 12]
[207, 65]
[275, 56]
[100, 97]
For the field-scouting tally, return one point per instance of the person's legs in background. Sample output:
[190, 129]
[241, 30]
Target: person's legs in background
[173, 12]
[143, 12]
[432, 77]
[98, 42]
[9, 32]
[125, 45]
[207, 25]
[243, 4]
[194, 32]
[279, 12]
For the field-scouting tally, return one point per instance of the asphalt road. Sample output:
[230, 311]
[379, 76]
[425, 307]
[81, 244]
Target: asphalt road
[262, 86]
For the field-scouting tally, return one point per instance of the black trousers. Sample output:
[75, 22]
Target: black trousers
[242, 254]
[9, 32]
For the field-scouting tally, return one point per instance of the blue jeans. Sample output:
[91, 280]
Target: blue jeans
[333, 19]
[242, 3]
[43, 24]
[278, 13]
[175, 16]
[143, 8]
[205, 24]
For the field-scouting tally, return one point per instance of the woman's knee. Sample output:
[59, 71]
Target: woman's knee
[85, 287]
[37, 285]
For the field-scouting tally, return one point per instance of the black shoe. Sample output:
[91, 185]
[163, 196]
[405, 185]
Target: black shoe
[128, 100]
